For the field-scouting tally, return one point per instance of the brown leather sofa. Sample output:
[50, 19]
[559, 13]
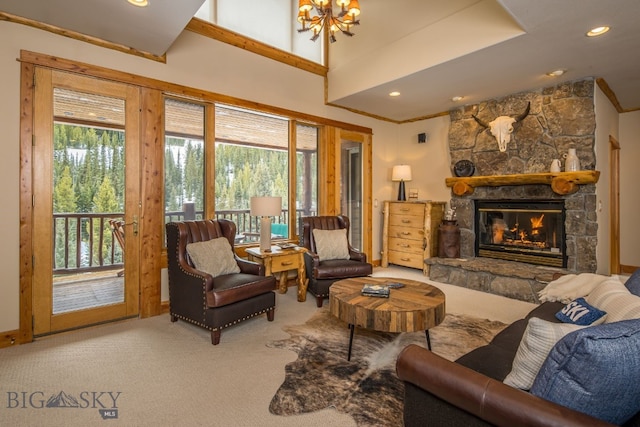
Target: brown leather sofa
[322, 274]
[469, 392]
[218, 302]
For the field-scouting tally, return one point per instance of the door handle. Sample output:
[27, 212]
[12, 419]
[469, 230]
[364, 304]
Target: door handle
[134, 223]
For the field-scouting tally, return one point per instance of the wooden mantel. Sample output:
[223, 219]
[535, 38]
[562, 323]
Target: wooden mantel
[562, 183]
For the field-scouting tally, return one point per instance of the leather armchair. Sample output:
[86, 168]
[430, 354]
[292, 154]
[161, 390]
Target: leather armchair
[218, 302]
[322, 274]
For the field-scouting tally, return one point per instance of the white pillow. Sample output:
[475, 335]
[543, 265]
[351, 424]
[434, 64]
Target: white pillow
[213, 256]
[613, 297]
[537, 341]
[331, 244]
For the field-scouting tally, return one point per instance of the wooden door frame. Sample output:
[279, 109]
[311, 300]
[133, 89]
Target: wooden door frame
[151, 154]
[45, 321]
[329, 178]
[614, 201]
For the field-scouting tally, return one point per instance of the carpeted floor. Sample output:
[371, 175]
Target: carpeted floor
[158, 373]
[366, 387]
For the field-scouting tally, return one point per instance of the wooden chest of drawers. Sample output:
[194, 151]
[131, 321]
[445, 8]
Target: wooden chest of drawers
[410, 232]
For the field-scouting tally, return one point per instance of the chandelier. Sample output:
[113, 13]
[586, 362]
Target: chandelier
[325, 19]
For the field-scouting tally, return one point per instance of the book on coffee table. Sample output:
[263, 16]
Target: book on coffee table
[375, 290]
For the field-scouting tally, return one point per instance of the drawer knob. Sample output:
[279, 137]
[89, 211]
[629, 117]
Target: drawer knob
[406, 233]
[406, 221]
[285, 263]
[405, 259]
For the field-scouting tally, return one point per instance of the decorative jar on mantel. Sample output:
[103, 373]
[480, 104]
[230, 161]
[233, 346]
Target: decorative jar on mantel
[571, 161]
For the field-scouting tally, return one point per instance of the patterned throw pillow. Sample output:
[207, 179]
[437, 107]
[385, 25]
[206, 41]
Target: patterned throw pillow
[580, 312]
[213, 256]
[614, 298]
[595, 370]
[537, 341]
[331, 244]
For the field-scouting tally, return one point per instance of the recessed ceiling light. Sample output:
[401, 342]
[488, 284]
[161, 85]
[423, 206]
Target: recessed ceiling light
[456, 98]
[597, 31]
[394, 93]
[556, 73]
[139, 3]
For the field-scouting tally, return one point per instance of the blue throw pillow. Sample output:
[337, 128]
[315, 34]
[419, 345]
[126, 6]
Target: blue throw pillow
[595, 370]
[580, 312]
[633, 283]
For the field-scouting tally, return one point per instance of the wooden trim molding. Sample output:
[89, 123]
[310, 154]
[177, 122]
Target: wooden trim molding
[9, 338]
[27, 88]
[224, 35]
[4, 16]
[628, 269]
[604, 86]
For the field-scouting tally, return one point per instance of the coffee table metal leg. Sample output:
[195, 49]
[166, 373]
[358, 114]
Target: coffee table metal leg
[428, 339]
[352, 328]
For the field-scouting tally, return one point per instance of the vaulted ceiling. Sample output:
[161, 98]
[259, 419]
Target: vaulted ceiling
[428, 50]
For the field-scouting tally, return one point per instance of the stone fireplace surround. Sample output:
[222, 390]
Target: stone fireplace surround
[561, 117]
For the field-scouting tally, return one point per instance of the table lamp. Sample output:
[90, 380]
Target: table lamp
[401, 173]
[265, 207]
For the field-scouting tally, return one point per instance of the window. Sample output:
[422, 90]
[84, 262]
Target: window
[184, 160]
[269, 21]
[306, 172]
[253, 157]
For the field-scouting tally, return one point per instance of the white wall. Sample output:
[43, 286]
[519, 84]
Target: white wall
[629, 194]
[429, 166]
[430, 162]
[401, 50]
[9, 175]
[606, 124]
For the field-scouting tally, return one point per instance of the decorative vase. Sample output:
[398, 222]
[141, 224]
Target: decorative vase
[555, 166]
[571, 161]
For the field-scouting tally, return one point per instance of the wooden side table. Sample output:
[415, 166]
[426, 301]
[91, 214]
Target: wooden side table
[281, 261]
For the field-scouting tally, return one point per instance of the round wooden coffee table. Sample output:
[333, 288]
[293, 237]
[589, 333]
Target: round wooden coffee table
[415, 307]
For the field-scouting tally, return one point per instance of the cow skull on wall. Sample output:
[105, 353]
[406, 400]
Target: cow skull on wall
[502, 127]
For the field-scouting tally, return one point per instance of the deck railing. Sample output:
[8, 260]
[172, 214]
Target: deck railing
[84, 241]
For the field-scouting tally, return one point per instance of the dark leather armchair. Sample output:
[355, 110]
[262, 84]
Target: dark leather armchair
[218, 302]
[322, 274]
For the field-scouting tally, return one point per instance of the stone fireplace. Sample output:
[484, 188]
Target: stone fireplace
[561, 117]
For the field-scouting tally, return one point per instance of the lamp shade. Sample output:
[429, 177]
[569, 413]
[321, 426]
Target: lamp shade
[266, 206]
[401, 173]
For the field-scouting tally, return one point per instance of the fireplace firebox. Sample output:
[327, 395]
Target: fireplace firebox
[530, 231]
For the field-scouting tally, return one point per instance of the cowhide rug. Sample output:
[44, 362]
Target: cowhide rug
[366, 387]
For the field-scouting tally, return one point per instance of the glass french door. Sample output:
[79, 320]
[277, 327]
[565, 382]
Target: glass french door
[86, 186]
[355, 186]
[351, 188]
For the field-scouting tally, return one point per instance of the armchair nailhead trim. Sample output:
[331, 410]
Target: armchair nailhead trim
[202, 325]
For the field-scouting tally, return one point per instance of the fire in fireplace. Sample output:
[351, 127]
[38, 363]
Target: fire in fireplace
[527, 231]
